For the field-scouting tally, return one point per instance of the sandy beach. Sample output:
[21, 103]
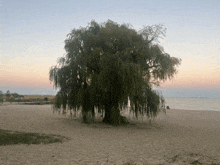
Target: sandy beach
[179, 137]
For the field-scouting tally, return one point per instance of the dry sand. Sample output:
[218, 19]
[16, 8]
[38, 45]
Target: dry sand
[179, 137]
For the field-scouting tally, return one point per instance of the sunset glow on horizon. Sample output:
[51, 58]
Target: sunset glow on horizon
[33, 37]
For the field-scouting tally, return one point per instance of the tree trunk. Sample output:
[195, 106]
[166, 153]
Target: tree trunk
[115, 116]
[84, 114]
[71, 114]
[84, 108]
[112, 115]
[136, 109]
[85, 102]
[107, 117]
[64, 103]
[93, 113]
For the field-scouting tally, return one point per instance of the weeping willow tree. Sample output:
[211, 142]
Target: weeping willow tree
[107, 63]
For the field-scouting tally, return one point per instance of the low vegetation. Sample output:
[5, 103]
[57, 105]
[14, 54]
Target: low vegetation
[14, 97]
[40, 97]
[10, 137]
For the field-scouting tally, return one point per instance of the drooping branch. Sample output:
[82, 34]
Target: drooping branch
[107, 63]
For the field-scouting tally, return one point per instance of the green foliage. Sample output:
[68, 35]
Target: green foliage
[107, 63]
[58, 100]
[1, 95]
[8, 94]
[9, 138]
[15, 95]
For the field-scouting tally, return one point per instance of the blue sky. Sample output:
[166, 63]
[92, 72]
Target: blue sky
[33, 34]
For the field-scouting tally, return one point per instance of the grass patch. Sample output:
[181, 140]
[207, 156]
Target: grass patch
[174, 158]
[196, 162]
[10, 137]
[129, 164]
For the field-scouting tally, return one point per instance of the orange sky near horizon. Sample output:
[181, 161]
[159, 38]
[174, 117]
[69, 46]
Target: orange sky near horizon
[33, 34]
[36, 75]
[200, 75]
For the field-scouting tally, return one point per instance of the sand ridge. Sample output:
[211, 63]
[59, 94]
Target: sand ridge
[179, 137]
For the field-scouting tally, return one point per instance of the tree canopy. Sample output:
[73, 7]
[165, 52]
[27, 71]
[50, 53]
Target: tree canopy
[15, 95]
[107, 63]
[1, 95]
[8, 94]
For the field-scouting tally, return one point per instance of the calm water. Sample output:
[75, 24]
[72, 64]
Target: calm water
[193, 103]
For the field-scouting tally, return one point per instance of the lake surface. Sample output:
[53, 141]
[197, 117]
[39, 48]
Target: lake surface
[209, 104]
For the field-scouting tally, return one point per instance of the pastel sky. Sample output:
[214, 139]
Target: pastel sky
[33, 34]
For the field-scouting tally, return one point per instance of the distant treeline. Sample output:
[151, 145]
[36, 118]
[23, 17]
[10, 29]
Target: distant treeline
[15, 97]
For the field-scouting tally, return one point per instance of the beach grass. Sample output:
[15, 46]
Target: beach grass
[10, 137]
[129, 164]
